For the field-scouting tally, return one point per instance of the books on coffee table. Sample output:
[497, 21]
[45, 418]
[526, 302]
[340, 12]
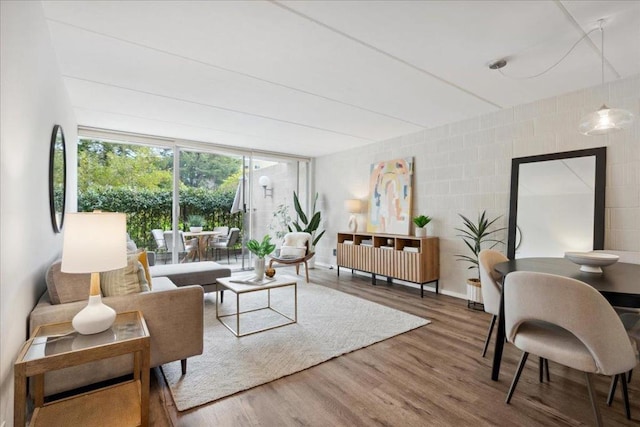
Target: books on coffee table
[252, 280]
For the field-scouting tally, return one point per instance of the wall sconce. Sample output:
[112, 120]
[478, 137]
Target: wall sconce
[354, 207]
[265, 183]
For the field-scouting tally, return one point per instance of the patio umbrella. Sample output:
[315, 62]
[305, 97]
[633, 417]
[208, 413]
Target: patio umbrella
[238, 205]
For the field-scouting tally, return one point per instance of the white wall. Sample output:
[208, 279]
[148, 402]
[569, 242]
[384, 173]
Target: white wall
[284, 178]
[33, 100]
[465, 167]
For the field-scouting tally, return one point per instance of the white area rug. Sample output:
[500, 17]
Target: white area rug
[330, 323]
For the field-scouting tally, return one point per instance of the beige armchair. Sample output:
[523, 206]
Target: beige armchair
[568, 322]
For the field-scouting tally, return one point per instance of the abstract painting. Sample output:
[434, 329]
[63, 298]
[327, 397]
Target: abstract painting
[390, 200]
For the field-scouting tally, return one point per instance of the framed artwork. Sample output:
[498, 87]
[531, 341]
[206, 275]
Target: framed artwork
[390, 198]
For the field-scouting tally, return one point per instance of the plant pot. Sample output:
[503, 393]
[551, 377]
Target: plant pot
[195, 229]
[259, 268]
[474, 292]
[421, 232]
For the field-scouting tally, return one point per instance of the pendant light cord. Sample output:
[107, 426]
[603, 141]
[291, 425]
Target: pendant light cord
[601, 22]
[563, 57]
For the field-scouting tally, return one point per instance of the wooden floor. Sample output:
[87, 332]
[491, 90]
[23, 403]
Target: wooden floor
[431, 376]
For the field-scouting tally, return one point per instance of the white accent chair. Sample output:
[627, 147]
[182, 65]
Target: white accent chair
[569, 322]
[295, 250]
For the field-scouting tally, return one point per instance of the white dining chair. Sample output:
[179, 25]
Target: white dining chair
[490, 287]
[569, 322]
[630, 317]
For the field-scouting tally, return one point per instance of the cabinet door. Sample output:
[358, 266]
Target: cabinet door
[408, 266]
[363, 258]
[384, 262]
[346, 255]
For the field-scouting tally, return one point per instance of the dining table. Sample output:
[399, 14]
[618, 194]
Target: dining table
[203, 239]
[619, 283]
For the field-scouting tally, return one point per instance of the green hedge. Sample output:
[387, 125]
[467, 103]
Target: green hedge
[149, 209]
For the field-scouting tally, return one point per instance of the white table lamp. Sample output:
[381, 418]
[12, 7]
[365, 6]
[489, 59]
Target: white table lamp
[94, 242]
[353, 206]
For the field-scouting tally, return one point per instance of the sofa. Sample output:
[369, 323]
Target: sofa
[173, 311]
[202, 273]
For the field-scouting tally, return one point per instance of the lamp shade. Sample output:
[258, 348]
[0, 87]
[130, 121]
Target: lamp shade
[94, 242]
[353, 205]
[605, 120]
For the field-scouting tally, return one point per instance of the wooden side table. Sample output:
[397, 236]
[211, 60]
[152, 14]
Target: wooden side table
[57, 346]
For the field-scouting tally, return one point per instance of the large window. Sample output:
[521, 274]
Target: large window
[218, 191]
[133, 179]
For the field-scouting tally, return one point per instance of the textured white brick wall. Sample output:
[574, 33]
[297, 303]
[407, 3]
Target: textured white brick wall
[465, 167]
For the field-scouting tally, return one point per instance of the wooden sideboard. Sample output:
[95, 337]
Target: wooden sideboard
[412, 259]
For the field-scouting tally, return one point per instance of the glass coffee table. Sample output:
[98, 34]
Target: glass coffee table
[243, 286]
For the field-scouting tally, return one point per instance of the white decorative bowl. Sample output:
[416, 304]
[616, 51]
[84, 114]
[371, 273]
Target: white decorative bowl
[591, 262]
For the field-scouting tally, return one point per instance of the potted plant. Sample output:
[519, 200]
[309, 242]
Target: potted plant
[421, 222]
[279, 224]
[475, 236]
[196, 223]
[308, 224]
[260, 250]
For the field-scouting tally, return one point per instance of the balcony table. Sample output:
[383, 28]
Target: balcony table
[204, 241]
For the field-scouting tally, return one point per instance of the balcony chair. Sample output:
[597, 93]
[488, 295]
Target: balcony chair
[295, 251]
[161, 246]
[186, 249]
[569, 322]
[224, 230]
[222, 237]
[227, 244]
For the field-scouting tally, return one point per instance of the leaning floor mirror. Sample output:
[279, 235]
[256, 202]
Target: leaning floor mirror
[557, 203]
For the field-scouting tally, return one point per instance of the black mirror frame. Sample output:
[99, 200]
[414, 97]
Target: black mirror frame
[57, 228]
[600, 154]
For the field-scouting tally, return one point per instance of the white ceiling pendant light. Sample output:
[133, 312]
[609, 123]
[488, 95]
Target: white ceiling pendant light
[605, 120]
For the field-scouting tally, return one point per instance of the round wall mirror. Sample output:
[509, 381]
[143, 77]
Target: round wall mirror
[57, 178]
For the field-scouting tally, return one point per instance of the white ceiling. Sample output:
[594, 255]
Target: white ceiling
[317, 77]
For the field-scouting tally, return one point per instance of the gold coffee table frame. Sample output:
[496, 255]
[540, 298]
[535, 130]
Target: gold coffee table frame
[227, 283]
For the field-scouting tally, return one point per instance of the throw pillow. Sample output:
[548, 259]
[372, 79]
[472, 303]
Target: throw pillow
[292, 252]
[124, 281]
[66, 287]
[144, 260]
[296, 239]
